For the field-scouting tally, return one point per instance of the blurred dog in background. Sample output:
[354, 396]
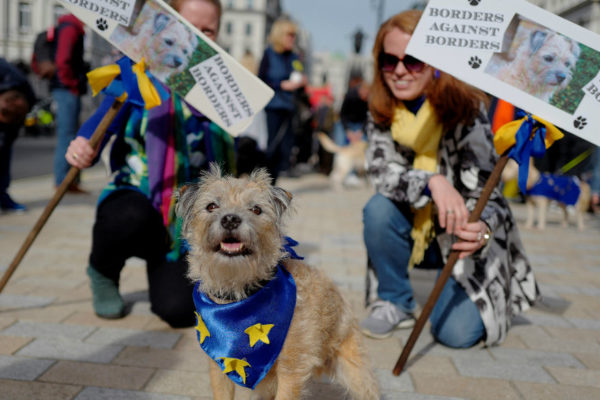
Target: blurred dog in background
[543, 187]
[346, 158]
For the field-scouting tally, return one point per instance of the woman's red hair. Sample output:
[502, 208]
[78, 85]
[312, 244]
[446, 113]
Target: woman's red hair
[454, 101]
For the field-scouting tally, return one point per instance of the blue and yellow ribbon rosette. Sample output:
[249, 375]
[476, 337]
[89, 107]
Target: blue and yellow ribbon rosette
[127, 81]
[527, 137]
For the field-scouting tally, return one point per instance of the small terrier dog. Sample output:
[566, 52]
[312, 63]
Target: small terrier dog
[347, 158]
[234, 231]
[534, 178]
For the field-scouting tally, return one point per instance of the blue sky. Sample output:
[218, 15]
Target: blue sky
[332, 22]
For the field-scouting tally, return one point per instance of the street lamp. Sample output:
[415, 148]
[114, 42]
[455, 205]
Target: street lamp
[380, 6]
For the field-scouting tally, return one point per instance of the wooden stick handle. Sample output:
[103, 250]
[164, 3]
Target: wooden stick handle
[491, 183]
[60, 192]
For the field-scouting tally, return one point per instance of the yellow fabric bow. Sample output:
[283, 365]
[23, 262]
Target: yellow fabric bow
[102, 77]
[505, 137]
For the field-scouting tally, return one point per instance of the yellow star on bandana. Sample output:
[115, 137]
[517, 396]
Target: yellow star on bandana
[201, 327]
[233, 364]
[259, 332]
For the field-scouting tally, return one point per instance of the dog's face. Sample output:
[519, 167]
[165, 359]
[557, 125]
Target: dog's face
[552, 58]
[234, 229]
[172, 44]
[166, 44]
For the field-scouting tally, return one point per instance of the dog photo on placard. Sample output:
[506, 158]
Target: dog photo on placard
[535, 59]
[165, 43]
[267, 320]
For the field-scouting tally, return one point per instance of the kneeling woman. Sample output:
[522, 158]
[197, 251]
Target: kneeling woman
[430, 154]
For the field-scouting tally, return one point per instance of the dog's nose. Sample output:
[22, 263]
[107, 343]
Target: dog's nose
[560, 77]
[230, 221]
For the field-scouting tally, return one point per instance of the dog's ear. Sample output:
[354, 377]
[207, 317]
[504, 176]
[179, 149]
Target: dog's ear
[536, 41]
[282, 200]
[160, 22]
[184, 198]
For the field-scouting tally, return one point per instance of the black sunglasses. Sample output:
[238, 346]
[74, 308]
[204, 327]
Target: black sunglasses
[389, 62]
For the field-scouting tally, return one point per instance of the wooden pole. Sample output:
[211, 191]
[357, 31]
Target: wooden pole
[491, 183]
[60, 192]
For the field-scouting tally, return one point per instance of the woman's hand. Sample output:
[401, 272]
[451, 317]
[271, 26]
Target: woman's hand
[452, 211]
[79, 153]
[473, 236]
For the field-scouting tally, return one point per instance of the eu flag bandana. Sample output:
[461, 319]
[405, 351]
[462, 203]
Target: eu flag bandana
[245, 338]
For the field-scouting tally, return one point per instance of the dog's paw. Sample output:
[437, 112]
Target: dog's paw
[475, 62]
[102, 24]
[474, 2]
[580, 122]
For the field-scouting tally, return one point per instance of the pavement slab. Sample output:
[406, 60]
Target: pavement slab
[18, 390]
[53, 346]
[102, 375]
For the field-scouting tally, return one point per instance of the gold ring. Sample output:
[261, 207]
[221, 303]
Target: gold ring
[75, 156]
[479, 236]
[450, 211]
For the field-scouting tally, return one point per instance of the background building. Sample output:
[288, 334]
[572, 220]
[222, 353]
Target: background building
[585, 13]
[245, 25]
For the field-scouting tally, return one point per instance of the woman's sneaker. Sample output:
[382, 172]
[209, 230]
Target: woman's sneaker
[384, 319]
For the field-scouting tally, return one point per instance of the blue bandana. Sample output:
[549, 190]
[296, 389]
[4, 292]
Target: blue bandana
[557, 187]
[245, 338]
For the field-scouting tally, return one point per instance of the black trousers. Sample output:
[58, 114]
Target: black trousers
[127, 225]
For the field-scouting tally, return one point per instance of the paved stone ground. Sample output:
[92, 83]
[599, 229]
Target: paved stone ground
[52, 346]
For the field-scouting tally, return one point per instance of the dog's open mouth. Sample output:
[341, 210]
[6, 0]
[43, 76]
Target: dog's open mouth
[231, 246]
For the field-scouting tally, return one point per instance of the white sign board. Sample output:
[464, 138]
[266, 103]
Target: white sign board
[180, 56]
[520, 53]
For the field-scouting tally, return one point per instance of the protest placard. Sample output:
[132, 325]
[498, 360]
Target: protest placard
[179, 55]
[520, 53]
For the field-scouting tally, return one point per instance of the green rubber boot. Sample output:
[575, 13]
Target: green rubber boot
[106, 298]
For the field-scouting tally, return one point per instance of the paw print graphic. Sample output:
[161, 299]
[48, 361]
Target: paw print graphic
[580, 122]
[474, 2]
[102, 24]
[475, 62]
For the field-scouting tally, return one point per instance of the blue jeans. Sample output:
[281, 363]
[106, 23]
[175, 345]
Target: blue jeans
[339, 133]
[455, 319]
[67, 124]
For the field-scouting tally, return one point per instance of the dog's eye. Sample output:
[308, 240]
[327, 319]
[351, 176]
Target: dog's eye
[548, 58]
[256, 210]
[212, 207]
[169, 42]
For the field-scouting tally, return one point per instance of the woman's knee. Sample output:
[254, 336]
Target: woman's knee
[378, 210]
[458, 332]
[381, 216]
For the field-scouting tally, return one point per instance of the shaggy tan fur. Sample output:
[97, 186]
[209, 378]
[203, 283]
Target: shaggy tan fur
[323, 337]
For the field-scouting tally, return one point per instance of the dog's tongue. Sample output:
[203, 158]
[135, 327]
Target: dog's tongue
[232, 247]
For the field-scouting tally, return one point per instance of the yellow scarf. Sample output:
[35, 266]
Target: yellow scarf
[422, 133]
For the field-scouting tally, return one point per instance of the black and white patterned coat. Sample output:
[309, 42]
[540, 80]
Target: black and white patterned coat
[498, 278]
